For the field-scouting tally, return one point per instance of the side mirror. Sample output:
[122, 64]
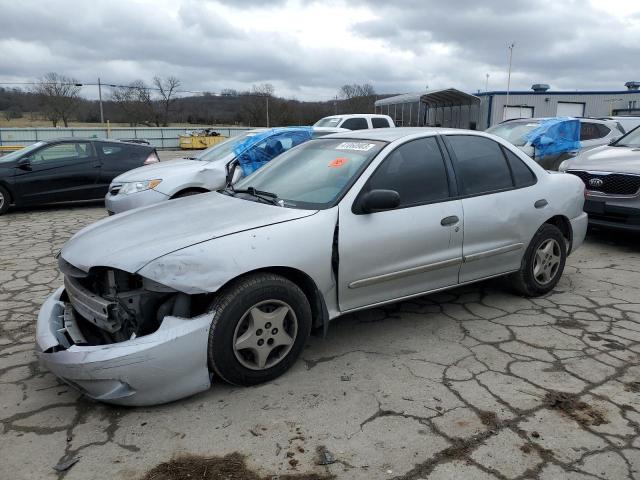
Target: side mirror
[376, 200]
[24, 163]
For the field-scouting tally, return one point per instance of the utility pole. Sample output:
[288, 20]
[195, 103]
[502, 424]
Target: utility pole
[511, 47]
[335, 105]
[486, 84]
[100, 97]
[267, 111]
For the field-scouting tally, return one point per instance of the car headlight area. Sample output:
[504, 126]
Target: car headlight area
[139, 186]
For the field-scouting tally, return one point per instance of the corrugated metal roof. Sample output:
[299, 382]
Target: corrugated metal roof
[445, 97]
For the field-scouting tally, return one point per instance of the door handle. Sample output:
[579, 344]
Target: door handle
[446, 221]
[541, 203]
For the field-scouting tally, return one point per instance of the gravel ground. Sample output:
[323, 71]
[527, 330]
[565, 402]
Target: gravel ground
[473, 383]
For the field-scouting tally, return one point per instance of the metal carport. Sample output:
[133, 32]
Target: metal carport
[447, 107]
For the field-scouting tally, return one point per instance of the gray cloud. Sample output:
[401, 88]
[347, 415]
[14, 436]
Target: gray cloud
[425, 42]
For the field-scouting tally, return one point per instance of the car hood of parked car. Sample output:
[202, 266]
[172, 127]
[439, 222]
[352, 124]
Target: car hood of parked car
[608, 159]
[130, 240]
[162, 169]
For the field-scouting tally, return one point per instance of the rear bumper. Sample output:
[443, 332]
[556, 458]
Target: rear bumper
[579, 230]
[166, 365]
[122, 203]
[619, 215]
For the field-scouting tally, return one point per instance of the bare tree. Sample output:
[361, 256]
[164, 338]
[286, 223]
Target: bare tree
[255, 103]
[167, 88]
[135, 102]
[59, 96]
[357, 98]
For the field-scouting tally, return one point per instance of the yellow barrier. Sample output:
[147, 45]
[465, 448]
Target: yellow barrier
[10, 148]
[188, 142]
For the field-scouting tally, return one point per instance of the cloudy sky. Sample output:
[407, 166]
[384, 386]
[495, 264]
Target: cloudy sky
[307, 48]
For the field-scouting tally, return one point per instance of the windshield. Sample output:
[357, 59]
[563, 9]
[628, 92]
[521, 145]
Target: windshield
[631, 139]
[514, 132]
[327, 122]
[223, 149]
[18, 153]
[314, 174]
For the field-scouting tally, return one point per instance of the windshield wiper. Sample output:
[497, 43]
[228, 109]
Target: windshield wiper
[267, 197]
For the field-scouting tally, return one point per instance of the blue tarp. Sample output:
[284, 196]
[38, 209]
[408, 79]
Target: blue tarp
[555, 136]
[257, 150]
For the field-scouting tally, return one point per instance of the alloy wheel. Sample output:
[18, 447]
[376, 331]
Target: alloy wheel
[265, 334]
[547, 261]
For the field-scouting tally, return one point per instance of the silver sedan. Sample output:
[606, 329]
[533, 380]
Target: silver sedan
[156, 303]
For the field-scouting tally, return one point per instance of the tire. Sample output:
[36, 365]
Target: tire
[234, 352]
[187, 193]
[5, 200]
[543, 263]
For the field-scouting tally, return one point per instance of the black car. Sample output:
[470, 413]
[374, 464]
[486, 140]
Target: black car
[67, 170]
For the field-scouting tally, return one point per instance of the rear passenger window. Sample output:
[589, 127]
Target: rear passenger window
[355, 124]
[110, 149]
[480, 164]
[592, 131]
[522, 175]
[416, 171]
[380, 123]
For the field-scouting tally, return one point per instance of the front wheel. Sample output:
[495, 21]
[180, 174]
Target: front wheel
[543, 262]
[260, 325]
[5, 199]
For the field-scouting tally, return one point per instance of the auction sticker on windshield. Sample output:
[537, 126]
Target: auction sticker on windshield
[337, 162]
[358, 146]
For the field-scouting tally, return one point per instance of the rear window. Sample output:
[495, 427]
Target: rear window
[380, 123]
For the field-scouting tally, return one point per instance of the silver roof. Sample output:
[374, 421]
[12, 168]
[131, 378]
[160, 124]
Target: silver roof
[437, 98]
[391, 134]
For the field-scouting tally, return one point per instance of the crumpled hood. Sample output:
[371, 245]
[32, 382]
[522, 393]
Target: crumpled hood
[130, 240]
[160, 170]
[608, 159]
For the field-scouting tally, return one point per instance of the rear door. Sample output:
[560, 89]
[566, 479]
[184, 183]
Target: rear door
[414, 248]
[593, 134]
[59, 172]
[116, 158]
[502, 207]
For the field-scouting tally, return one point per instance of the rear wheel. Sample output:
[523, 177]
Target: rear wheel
[543, 262]
[260, 325]
[5, 200]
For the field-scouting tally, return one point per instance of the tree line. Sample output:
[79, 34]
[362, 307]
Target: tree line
[57, 98]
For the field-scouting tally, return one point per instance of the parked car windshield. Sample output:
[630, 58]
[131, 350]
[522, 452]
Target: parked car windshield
[327, 122]
[313, 175]
[19, 153]
[631, 139]
[223, 149]
[514, 132]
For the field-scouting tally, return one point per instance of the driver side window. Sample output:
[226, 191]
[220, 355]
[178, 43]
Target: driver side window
[63, 151]
[415, 170]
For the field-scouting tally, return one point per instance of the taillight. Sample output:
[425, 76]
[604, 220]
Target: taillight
[152, 158]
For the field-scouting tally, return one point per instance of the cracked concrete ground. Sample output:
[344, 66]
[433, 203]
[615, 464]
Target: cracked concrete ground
[473, 383]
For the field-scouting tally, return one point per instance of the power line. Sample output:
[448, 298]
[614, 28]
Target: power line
[91, 84]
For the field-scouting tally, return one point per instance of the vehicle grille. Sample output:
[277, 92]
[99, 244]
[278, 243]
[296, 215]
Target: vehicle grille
[612, 183]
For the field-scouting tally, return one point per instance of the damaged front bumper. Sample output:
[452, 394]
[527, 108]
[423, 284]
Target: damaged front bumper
[166, 365]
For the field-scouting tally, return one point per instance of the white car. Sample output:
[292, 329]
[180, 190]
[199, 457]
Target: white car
[207, 171]
[356, 121]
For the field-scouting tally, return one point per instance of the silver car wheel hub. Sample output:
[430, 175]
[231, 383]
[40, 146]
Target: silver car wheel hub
[1, 200]
[547, 261]
[265, 335]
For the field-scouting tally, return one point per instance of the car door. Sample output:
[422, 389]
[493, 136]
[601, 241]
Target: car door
[58, 172]
[115, 159]
[414, 248]
[592, 135]
[502, 207]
